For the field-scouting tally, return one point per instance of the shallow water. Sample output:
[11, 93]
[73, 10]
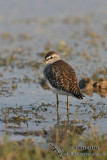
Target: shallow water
[78, 32]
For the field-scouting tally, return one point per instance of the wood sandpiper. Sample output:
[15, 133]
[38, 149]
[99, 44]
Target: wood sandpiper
[61, 77]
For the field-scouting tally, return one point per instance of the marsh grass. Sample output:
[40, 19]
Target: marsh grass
[68, 146]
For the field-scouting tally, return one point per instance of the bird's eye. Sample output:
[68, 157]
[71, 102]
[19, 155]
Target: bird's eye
[51, 57]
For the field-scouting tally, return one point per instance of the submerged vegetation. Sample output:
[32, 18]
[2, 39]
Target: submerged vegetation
[67, 140]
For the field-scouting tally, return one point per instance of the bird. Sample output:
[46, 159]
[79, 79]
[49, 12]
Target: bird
[61, 77]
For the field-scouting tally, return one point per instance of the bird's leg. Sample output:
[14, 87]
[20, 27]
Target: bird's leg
[67, 103]
[57, 101]
[57, 108]
[68, 107]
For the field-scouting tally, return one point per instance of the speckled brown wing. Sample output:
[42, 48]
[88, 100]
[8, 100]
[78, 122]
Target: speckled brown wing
[62, 77]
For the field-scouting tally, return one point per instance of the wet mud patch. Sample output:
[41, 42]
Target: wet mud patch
[39, 121]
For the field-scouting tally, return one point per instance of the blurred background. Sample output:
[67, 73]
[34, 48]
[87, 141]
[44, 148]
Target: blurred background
[77, 30]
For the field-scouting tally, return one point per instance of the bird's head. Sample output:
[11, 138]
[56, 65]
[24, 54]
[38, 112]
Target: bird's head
[50, 58]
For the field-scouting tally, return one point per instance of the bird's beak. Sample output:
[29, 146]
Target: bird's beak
[39, 63]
